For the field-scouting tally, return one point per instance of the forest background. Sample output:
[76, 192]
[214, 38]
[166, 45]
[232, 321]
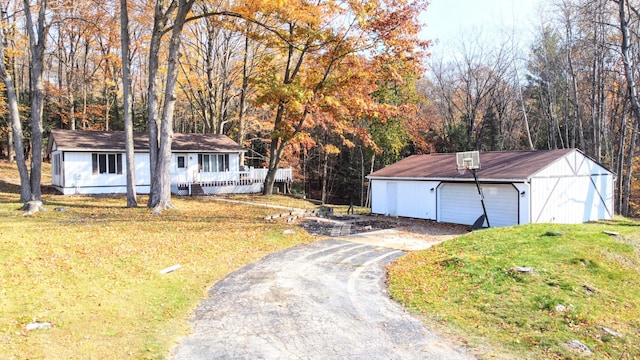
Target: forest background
[334, 89]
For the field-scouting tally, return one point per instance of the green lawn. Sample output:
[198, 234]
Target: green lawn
[583, 281]
[93, 270]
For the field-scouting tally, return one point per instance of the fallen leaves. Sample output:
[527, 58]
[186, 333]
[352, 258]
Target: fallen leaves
[96, 266]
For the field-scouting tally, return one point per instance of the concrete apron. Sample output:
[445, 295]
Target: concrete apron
[395, 239]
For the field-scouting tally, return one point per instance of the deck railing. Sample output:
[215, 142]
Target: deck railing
[247, 177]
[282, 175]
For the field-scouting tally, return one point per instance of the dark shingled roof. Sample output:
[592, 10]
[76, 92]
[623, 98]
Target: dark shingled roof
[114, 141]
[501, 165]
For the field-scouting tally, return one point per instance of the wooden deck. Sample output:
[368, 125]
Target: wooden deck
[241, 182]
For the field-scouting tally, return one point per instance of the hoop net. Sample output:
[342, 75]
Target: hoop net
[467, 163]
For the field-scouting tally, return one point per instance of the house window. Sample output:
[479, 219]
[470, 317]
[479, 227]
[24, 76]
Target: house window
[181, 162]
[57, 165]
[213, 162]
[106, 163]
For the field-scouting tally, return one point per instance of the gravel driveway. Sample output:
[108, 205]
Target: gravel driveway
[325, 300]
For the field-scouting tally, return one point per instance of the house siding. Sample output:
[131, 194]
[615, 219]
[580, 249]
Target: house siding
[410, 198]
[83, 163]
[78, 177]
[524, 202]
[378, 197]
[417, 199]
[572, 190]
[572, 200]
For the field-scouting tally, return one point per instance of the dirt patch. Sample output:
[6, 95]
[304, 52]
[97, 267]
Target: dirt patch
[416, 228]
[315, 227]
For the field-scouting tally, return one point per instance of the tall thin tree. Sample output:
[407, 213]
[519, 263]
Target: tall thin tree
[14, 114]
[629, 70]
[127, 106]
[160, 197]
[37, 42]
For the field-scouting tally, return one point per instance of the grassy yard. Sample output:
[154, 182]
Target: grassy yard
[91, 268]
[585, 286]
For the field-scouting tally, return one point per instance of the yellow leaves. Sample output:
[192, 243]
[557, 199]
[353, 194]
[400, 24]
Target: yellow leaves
[331, 149]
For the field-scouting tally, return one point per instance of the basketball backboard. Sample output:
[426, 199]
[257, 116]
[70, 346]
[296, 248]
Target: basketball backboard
[467, 160]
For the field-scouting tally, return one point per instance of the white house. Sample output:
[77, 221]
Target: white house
[93, 162]
[519, 187]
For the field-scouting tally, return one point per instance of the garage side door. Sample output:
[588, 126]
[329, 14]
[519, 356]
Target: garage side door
[460, 203]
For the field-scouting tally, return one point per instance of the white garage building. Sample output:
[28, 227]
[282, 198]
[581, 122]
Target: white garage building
[519, 187]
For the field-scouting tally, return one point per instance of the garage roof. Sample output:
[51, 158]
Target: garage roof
[499, 165]
[81, 140]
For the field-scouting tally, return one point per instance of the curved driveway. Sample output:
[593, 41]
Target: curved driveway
[325, 300]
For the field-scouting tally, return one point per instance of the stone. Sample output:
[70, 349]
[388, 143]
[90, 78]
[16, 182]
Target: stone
[288, 232]
[170, 269]
[553, 233]
[610, 332]
[37, 325]
[561, 308]
[579, 347]
[612, 233]
[523, 269]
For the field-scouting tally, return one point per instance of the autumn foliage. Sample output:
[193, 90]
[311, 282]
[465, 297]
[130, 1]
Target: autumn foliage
[333, 88]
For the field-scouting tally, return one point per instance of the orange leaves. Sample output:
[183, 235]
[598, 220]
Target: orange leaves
[286, 11]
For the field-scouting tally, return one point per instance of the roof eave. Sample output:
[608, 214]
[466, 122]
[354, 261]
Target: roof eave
[96, 150]
[448, 179]
[144, 150]
[210, 151]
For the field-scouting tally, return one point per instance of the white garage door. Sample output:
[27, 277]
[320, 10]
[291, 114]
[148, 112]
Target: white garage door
[460, 203]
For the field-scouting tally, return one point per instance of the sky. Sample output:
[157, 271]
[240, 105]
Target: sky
[449, 20]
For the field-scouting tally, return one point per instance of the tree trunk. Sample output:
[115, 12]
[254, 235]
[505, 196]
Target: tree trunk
[274, 156]
[16, 124]
[37, 48]
[162, 197]
[628, 174]
[524, 110]
[325, 175]
[629, 70]
[274, 160]
[160, 20]
[132, 201]
[11, 153]
[361, 176]
[243, 95]
[620, 157]
[373, 161]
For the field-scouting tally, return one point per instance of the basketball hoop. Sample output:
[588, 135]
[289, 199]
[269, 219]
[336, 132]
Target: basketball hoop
[468, 160]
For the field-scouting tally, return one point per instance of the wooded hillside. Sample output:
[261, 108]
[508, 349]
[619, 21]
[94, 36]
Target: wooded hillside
[331, 88]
